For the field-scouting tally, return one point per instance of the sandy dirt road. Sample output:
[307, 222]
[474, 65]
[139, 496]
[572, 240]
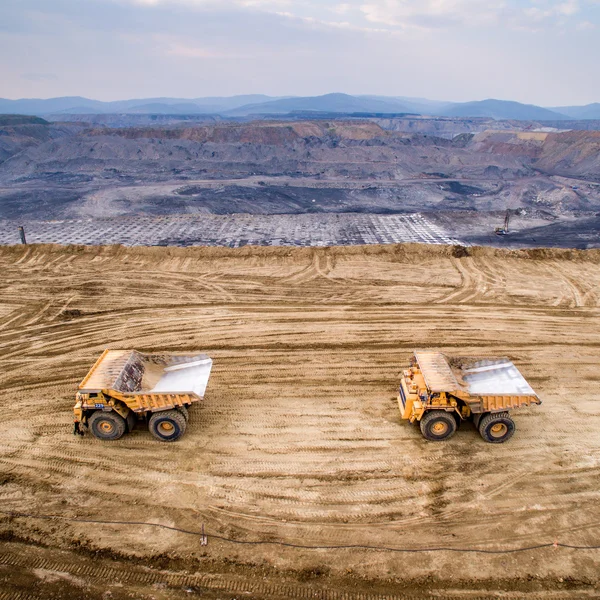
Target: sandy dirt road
[299, 439]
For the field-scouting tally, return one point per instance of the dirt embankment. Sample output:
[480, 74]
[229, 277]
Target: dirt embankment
[15, 138]
[274, 134]
[299, 438]
[393, 252]
[575, 154]
[572, 153]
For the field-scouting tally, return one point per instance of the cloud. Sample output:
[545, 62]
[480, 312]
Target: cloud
[433, 12]
[341, 9]
[546, 10]
[39, 77]
[311, 22]
[514, 14]
[182, 50]
[220, 4]
[445, 49]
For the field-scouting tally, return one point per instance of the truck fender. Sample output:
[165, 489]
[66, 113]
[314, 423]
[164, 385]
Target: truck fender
[477, 417]
[121, 408]
[130, 421]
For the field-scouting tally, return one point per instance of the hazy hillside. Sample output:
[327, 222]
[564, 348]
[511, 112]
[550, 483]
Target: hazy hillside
[18, 133]
[22, 120]
[499, 109]
[414, 105]
[248, 105]
[590, 111]
[35, 106]
[340, 103]
[79, 105]
[184, 108]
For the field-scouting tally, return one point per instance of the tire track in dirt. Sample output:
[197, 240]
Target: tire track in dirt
[468, 286]
[147, 577]
[319, 267]
[480, 280]
[574, 288]
[304, 275]
[12, 318]
[299, 435]
[495, 277]
[568, 296]
[26, 253]
[210, 582]
[583, 294]
[211, 286]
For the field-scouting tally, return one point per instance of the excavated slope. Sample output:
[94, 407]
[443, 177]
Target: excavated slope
[572, 153]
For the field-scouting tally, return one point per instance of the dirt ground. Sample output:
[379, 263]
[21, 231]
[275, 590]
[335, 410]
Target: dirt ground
[299, 438]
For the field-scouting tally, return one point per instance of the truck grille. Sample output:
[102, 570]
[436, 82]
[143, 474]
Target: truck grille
[402, 397]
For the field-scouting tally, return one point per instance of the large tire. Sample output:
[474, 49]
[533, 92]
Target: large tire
[107, 425]
[438, 425]
[496, 428]
[184, 411]
[167, 426]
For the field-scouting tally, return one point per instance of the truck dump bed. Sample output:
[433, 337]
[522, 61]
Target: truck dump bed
[149, 381]
[437, 372]
[486, 384]
[495, 377]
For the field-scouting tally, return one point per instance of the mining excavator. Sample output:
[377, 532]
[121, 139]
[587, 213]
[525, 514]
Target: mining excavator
[503, 230]
[127, 386]
[439, 392]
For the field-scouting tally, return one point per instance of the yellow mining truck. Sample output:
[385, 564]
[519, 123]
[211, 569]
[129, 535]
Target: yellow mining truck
[439, 392]
[126, 386]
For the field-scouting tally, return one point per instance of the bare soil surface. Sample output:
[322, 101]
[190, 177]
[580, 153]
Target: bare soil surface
[299, 439]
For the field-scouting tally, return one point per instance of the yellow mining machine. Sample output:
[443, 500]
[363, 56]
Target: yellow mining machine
[504, 230]
[439, 392]
[127, 386]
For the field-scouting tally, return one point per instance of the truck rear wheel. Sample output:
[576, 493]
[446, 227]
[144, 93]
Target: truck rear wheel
[184, 411]
[438, 425]
[167, 426]
[107, 425]
[496, 428]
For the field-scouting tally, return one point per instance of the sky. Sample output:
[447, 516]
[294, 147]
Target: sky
[534, 51]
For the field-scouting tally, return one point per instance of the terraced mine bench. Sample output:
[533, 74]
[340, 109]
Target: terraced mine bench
[125, 386]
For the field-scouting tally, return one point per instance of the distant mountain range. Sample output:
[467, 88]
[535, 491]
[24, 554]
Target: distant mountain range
[79, 105]
[241, 106]
[590, 111]
[502, 109]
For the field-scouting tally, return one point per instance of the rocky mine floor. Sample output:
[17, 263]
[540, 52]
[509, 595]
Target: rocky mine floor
[233, 231]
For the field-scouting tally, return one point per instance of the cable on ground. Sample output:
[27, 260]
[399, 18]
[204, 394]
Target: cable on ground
[300, 546]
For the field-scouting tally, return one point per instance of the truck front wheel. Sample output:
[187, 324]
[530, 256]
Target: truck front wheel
[107, 425]
[496, 428]
[438, 425]
[167, 426]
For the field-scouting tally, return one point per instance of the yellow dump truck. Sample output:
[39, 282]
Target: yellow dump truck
[127, 386]
[439, 392]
